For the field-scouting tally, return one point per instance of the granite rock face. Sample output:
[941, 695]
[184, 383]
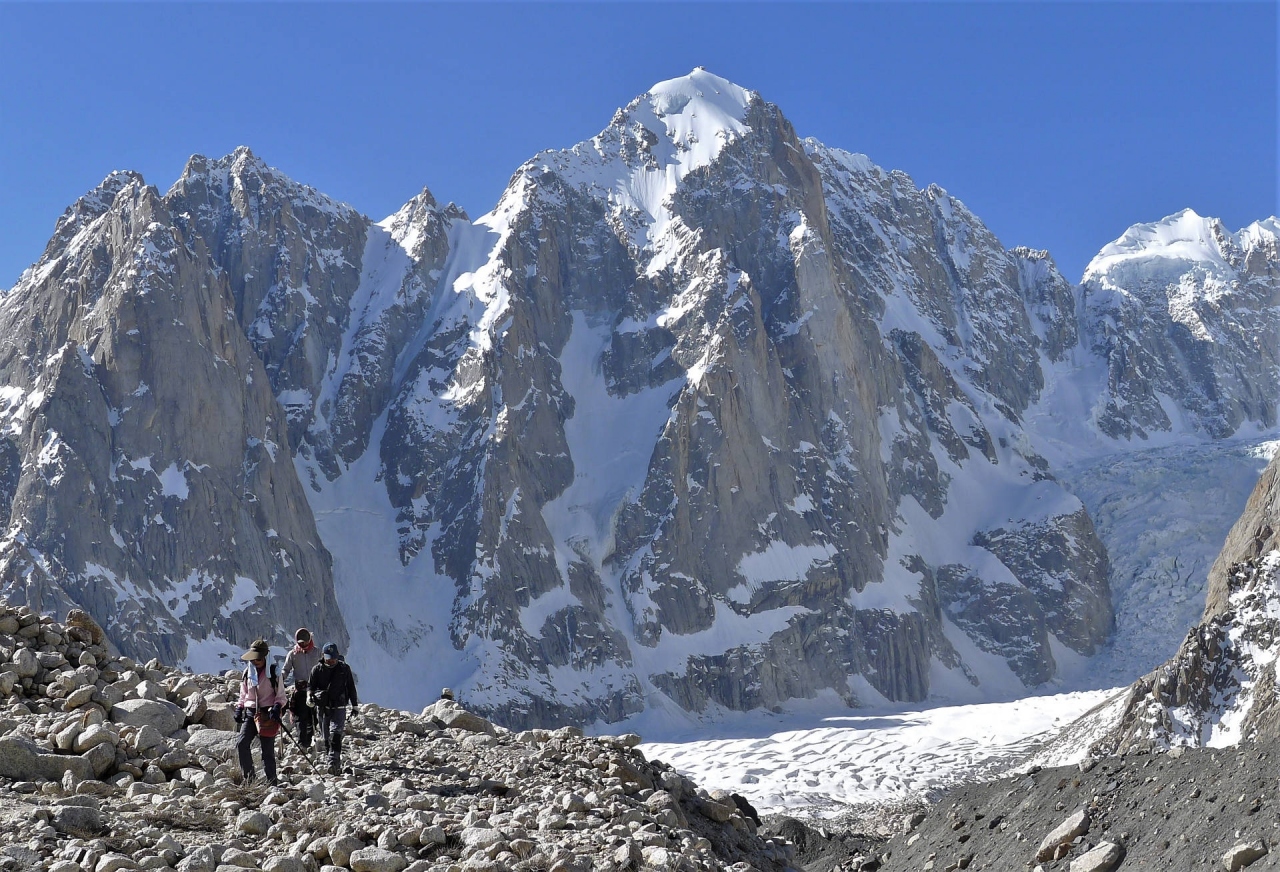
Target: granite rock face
[700, 410]
[149, 479]
[670, 390]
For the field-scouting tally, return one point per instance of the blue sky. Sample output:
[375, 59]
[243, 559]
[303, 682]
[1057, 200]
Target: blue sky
[1058, 124]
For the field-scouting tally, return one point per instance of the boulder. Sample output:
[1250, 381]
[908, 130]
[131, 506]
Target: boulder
[147, 737]
[376, 860]
[78, 820]
[196, 708]
[253, 823]
[655, 857]
[97, 734]
[571, 802]
[218, 743]
[1103, 858]
[284, 863]
[220, 716]
[78, 697]
[341, 849]
[25, 664]
[481, 836]
[1242, 855]
[21, 760]
[178, 758]
[454, 716]
[1076, 825]
[161, 714]
[235, 858]
[149, 690]
[198, 859]
[115, 863]
[100, 758]
[127, 682]
[185, 687]
[51, 659]
[65, 740]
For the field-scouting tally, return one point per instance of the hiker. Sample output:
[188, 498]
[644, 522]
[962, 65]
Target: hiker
[332, 687]
[298, 663]
[258, 712]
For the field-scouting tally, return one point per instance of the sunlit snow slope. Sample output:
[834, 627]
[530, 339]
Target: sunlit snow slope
[822, 766]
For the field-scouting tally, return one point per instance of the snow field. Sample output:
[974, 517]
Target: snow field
[822, 765]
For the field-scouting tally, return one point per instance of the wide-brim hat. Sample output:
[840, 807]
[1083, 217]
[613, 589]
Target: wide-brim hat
[257, 651]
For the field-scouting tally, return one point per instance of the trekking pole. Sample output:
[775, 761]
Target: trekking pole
[305, 756]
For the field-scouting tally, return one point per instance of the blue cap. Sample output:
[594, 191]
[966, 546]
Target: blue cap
[331, 652]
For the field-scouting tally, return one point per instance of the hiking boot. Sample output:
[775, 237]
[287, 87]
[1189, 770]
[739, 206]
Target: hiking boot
[334, 768]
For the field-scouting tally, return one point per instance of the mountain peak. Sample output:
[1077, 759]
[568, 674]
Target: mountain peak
[658, 138]
[93, 204]
[699, 91]
[241, 162]
[99, 200]
[695, 112]
[1182, 236]
[242, 169]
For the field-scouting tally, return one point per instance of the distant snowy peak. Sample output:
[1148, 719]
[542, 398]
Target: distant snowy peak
[415, 224]
[242, 177]
[1183, 312]
[1261, 235]
[1186, 238]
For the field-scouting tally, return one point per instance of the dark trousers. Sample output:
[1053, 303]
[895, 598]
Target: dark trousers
[332, 722]
[303, 714]
[249, 732]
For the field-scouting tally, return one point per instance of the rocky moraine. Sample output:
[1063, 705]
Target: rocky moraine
[107, 764]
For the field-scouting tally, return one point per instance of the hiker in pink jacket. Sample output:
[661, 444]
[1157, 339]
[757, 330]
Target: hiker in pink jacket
[258, 712]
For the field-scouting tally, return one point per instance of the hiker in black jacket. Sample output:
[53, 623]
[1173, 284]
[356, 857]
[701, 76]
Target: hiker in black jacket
[331, 688]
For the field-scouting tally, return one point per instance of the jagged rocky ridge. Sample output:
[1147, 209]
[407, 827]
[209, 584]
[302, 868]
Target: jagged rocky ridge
[107, 764]
[148, 477]
[701, 412]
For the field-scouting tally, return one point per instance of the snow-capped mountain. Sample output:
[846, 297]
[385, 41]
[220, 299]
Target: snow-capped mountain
[701, 414]
[1185, 315]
